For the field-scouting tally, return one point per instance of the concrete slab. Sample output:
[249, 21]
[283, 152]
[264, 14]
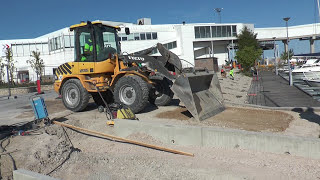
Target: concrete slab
[221, 138]
[22, 174]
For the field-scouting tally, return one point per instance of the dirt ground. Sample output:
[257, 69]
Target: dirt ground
[239, 118]
[67, 154]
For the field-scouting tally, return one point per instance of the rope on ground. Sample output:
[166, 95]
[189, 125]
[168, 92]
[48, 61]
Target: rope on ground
[123, 139]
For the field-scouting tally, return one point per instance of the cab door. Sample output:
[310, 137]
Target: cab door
[84, 60]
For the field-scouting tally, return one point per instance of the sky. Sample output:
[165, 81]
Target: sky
[30, 19]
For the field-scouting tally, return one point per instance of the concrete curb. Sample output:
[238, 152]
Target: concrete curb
[271, 108]
[22, 174]
[221, 138]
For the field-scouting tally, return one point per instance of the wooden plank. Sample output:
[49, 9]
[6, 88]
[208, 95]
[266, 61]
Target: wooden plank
[123, 139]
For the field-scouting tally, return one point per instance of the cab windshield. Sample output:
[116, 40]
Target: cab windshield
[106, 42]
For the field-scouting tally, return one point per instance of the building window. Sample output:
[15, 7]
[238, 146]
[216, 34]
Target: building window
[202, 32]
[208, 33]
[197, 32]
[124, 38]
[148, 36]
[234, 31]
[55, 43]
[154, 35]
[142, 36]
[224, 31]
[168, 46]
[136, 36]
[215, 31]
[228, 31]
[130, 37]
[174, 44]
[219, 31]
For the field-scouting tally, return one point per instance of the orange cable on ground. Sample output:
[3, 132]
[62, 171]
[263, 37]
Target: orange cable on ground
[123, 139]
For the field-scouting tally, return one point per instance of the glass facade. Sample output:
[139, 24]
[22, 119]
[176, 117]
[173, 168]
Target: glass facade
[170, 45]
[138, 36]
[215, 31]
[25, 49]
[60, 42]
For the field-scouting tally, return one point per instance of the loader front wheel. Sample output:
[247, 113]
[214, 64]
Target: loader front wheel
[74, 96]
[132, 91]
[160, 94]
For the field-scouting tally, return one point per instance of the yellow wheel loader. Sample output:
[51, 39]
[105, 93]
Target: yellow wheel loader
[133, 80]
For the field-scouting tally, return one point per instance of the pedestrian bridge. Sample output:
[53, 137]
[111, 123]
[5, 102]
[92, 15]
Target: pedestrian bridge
[309, 32]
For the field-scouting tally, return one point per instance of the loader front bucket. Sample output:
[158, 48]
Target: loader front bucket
[200, 92]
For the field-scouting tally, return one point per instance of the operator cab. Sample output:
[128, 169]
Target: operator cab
[95, 42]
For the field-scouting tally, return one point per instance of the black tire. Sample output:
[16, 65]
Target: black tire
[74, 96]
[107, 96]
[132, 91]
[160, 94]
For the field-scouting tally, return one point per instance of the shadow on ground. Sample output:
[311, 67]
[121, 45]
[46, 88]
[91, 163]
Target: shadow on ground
[308, 114]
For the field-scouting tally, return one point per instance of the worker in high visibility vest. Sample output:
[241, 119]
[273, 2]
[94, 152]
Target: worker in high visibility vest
[231, 73]
[88, 49]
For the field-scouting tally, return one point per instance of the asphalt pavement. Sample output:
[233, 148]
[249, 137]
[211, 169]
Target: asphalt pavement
[10, 108]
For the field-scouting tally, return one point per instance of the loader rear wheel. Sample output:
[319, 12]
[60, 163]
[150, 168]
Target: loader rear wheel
[132, 91]
[74, 96]
[160, 94]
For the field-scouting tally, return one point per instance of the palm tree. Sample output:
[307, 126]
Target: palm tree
[284, 55]
[9, 63]
[36, 63]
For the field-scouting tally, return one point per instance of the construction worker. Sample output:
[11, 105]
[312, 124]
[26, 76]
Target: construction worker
[231, 73]
[88, 48]
[223, 72]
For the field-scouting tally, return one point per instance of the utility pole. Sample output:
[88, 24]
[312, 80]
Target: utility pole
[218, 10]
[289, 66]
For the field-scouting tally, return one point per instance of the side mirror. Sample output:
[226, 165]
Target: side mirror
[127, 30]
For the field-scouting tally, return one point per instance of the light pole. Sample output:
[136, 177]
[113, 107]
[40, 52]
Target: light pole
[275, 54]
[218, 10]
[290, 71]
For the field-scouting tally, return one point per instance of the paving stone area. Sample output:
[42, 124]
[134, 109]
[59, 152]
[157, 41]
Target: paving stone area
[274, 91]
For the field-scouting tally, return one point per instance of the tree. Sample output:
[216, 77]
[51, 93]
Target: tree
[36, 63]
[284, 55]
[10, 63]
[247, 57]
[1, 70]
[248, 49]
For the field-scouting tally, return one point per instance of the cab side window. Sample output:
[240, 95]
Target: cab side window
[86, 47]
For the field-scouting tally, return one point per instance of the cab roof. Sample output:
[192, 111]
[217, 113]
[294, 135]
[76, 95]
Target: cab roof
[94, 22]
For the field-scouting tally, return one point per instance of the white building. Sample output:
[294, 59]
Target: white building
[189, 41]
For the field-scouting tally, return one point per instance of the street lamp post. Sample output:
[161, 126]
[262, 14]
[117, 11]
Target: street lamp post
[275, 54]
[218, 10]
[290, 71]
